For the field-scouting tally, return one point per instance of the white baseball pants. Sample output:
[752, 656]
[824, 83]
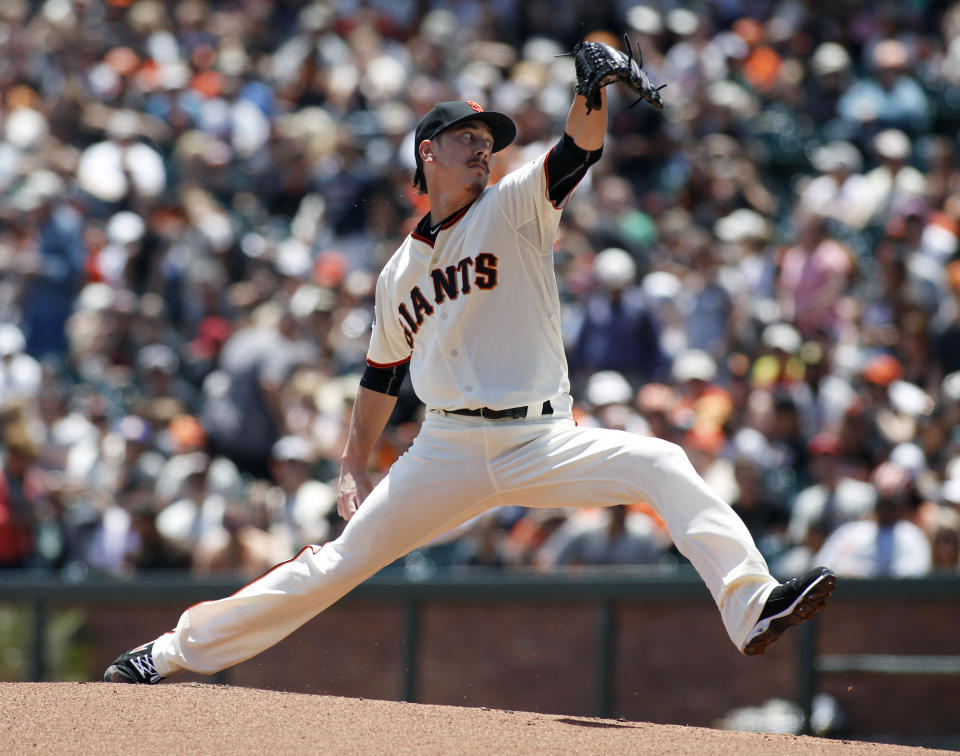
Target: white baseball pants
[457, 468]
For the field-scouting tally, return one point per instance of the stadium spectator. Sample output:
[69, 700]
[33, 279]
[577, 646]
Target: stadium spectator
[619, 331]
[303, 504]
[841, 191]
[814, 275]
[888, 96]
[614, 535]
[832, 498]
[945, 540]
[886, 544]
[238, 547]
[48, 262]
[20, 374]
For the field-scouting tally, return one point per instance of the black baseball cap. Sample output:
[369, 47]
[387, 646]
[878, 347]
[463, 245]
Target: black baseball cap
[443, 115]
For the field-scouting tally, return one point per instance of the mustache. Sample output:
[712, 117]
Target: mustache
[479, 161]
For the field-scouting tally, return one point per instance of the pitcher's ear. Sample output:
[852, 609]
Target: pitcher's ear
[426, 151]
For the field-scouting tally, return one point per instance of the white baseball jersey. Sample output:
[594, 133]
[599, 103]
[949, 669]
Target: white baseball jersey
[474, 306]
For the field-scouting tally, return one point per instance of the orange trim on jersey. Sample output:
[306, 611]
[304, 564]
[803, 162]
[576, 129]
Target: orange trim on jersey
[425, 232]
[455, 217]
[381, 365]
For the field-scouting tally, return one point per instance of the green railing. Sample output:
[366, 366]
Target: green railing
[602, 588]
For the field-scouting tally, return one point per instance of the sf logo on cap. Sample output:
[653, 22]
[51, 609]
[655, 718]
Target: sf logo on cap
[474, 105]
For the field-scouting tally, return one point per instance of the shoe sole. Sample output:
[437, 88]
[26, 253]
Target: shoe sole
[807, 605]
[116, 675]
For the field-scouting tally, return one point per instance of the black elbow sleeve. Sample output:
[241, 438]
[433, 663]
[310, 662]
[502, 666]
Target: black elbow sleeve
[385, 379]
[567, 164]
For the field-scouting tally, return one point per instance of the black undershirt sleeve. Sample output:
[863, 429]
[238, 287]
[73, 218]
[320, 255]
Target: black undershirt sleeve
[567, 164]
[385, 380]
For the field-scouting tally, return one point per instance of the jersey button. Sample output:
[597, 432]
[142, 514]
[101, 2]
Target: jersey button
[468, 388]
[454, 352]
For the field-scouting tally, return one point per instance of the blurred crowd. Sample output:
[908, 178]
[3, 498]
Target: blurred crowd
[196, 198]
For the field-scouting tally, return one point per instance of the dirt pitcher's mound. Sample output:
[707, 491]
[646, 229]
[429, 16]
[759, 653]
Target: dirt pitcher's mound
[83, 718]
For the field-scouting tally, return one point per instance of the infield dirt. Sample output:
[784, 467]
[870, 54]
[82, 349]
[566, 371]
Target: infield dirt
[84, 718]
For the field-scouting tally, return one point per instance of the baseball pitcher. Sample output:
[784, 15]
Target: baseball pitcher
[468, 306]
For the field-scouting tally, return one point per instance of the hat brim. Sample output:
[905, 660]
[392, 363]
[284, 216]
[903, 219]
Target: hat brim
[502, 127]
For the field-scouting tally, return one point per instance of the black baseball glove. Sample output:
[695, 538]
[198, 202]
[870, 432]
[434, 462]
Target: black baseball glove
[598, 64]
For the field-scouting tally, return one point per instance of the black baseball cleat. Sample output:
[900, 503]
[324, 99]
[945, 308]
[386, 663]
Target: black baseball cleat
[789, 604]
[135, 666]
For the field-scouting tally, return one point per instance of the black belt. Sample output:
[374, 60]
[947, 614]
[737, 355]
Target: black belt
[511, 412]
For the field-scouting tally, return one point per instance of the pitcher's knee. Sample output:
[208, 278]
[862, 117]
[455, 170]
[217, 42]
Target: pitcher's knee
[672, 459]
[658, 455]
